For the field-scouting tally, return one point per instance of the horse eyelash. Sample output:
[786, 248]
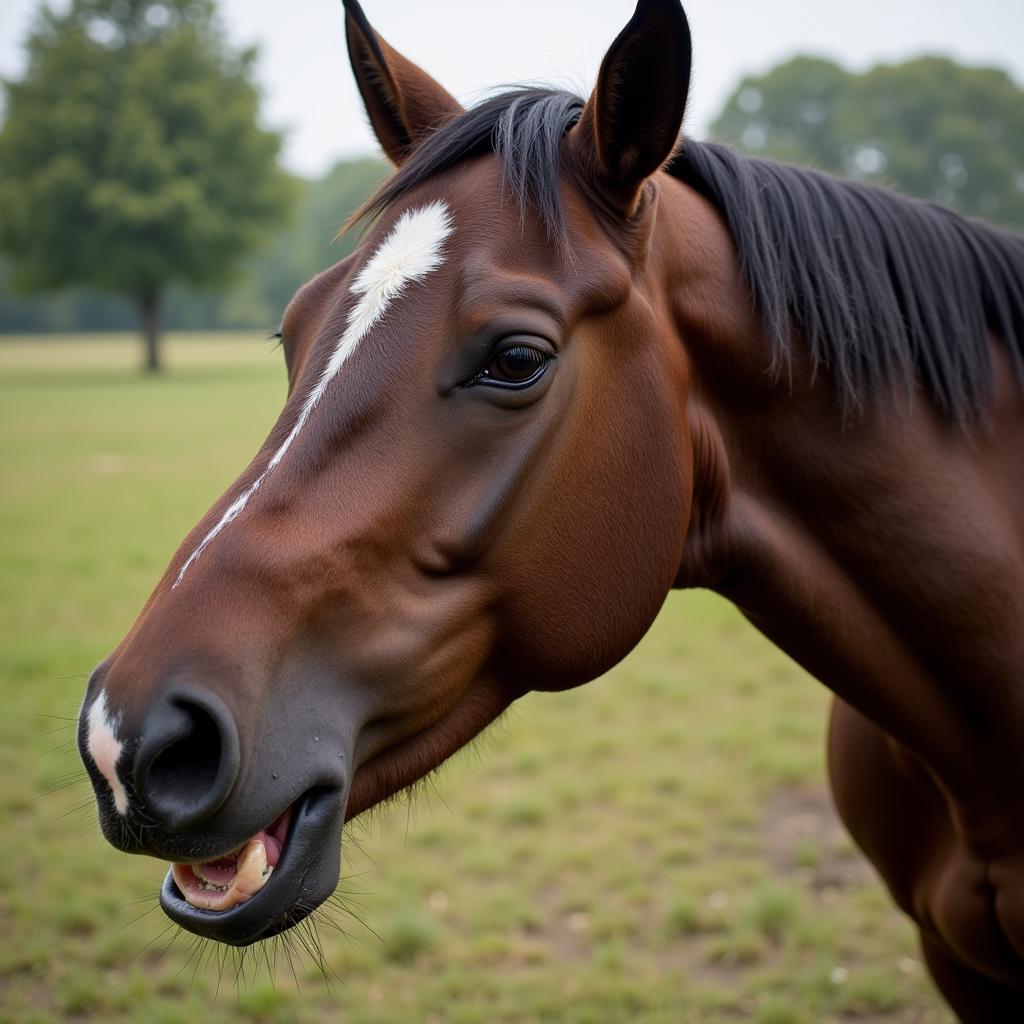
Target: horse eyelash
[482, 375]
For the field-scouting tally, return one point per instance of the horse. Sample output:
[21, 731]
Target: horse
[579, 360]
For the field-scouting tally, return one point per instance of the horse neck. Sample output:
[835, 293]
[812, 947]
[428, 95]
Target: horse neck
[879, 551]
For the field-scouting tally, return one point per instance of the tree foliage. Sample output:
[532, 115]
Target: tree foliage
[131, 156]
[266, 282]
[311, 242]
[929, 127]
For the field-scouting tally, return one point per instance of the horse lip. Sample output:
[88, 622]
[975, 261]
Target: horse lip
[305, 876]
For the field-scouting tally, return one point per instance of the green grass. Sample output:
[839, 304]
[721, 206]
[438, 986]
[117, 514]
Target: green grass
[654, 847]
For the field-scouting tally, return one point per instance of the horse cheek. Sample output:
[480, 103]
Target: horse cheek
[603, 553]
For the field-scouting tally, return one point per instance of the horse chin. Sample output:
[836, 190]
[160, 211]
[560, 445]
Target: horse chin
[305, 875]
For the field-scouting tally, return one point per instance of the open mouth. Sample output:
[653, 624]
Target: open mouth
[267, 884]
[236, 877]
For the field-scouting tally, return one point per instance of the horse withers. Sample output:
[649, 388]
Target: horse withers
[575, 364]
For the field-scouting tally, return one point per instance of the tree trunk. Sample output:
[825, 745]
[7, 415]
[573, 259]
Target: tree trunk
[149, 315]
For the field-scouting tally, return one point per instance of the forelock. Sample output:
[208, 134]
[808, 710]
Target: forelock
[523, 127]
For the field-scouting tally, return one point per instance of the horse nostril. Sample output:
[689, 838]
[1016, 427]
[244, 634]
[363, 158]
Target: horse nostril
[187, 759]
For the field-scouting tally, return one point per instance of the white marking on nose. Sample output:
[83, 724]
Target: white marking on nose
[105, 748]
[412, 249]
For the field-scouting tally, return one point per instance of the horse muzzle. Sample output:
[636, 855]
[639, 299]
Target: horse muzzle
[250, 816]
[265, 898]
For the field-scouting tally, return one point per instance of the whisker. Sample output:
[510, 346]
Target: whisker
[156, 938]
[314, 927]
[324, 916]
[347, 902]
[145, 913]
[221, 962]
[77, 809]
[73, 742]
[187, 957]
[174, 938]
[270, 970]
[63, 782]
[144, 898]
[302, 940]
[357, 842]
[238, 955]
[67, 747]
[287, 947]
[202, 952]
[380, 938]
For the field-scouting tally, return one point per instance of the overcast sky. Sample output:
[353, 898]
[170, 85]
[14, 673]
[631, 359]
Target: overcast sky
[470, 45]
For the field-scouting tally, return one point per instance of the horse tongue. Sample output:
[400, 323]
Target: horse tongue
[273, 847]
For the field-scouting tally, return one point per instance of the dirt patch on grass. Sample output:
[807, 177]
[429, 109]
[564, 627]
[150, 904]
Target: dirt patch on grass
[803, 837]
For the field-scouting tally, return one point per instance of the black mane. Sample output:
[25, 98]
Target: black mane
[884, 290]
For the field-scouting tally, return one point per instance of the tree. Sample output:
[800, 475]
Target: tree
[929, 127]
[310, 245]
[265, 284]
[131, 156]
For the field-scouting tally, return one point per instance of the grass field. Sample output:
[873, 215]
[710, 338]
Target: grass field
[656, 846]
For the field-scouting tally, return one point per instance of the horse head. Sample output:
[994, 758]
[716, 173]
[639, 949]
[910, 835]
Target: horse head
[479, 485]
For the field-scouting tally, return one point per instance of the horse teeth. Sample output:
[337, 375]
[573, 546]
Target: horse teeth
[252, 870]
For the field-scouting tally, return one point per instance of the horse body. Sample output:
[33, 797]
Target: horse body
[551, 411]
[886, 556]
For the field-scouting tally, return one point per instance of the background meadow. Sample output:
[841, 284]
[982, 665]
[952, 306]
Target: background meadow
[657, 846]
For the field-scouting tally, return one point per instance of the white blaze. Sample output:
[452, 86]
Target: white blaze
[412, 249]
[105, 748]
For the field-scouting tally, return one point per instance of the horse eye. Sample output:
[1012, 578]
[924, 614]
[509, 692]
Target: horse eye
[517, 366]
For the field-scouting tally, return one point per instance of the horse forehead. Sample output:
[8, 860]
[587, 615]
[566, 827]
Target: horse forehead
[412, 249]
[494, 236]
[492, 246]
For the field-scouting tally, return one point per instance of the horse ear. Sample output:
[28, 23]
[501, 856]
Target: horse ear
[402, 101]
[631, 123]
